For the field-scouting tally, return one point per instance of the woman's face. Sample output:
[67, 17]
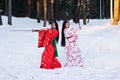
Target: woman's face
[53, 26]
[67, 25]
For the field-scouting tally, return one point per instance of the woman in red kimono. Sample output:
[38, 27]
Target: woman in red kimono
[48, 38]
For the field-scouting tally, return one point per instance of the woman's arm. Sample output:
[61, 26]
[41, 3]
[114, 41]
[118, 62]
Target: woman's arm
[37, 30]
[34, 30]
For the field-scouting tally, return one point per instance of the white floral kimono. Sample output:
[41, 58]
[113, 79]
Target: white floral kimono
[73, 57]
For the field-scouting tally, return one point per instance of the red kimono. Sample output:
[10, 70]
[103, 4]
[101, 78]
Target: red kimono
[48, 60]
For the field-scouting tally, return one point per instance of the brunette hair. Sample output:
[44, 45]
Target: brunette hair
[56, 24]
[63, 35]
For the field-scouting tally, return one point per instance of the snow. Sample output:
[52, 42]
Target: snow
[20, 57]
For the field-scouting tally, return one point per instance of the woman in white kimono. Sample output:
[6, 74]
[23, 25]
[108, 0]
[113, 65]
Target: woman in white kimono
[69, 37]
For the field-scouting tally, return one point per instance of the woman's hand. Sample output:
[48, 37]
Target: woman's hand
[37, 30]
[34, 30]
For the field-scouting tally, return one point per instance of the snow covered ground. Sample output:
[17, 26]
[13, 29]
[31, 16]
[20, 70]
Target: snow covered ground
[20, 58]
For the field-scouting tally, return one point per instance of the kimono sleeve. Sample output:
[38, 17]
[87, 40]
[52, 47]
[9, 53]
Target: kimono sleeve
[41, 35]
[47, 38]
[70, 35]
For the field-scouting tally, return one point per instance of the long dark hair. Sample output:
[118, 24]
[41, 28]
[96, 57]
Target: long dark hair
[56, 24]
[63, 36]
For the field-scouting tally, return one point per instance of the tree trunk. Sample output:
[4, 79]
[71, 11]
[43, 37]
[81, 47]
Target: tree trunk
[119, 10]
[45, 11]
[29, 8]
[84, 12]
[0, 18]
[77, 4]
[100, 9]
[103, 8]
[52, 11]
[38, 11]
[111, 11]
[107, 9]
[116, 12]
[10, 12]
[6, 5]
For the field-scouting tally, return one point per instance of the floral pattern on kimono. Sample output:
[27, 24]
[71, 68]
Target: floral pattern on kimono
[48, 59]
[72, 51]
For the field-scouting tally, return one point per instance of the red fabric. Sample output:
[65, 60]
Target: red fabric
[41, 38]
[48, 61]
[45, 37]
[69, 37]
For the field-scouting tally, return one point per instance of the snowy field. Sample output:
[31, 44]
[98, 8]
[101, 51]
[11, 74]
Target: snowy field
[20, 58]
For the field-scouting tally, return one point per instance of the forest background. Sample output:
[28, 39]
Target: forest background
[57, 9]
